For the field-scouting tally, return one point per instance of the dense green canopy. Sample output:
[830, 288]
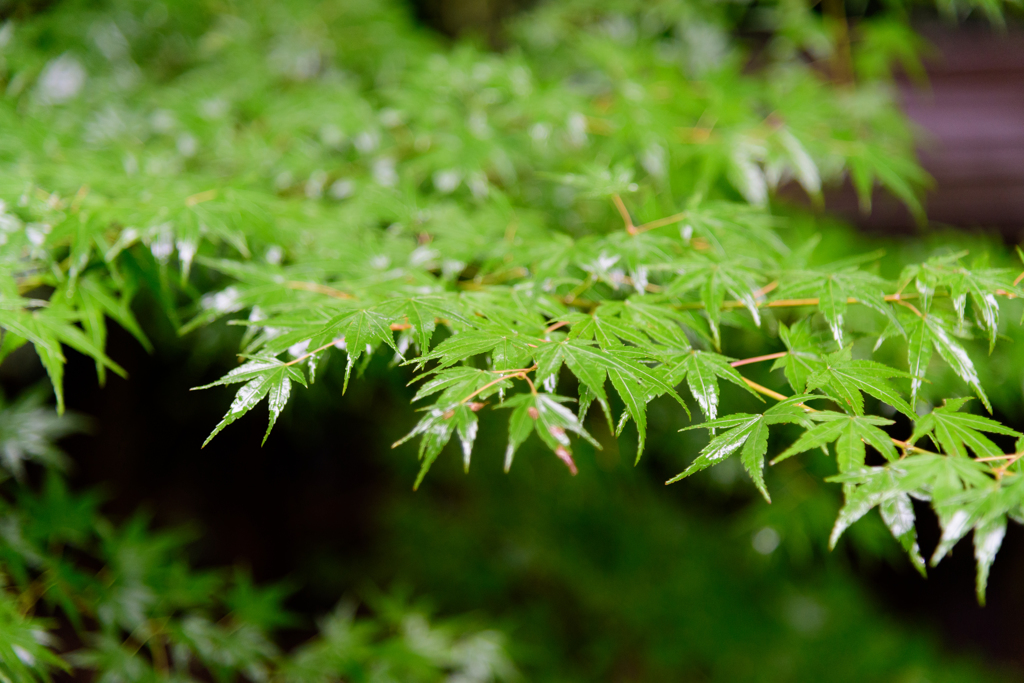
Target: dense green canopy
[581, 235]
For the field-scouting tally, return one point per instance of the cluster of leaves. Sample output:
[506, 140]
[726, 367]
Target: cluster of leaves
[139, 612]
[595, 208]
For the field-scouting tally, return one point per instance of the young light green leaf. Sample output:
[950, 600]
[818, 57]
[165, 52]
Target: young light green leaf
[802, 359]
[545, 414]
[954, 432]
[362, 329]
[263, 376]
[928, 333]
[702, 369]
[834, 289]
[635, 383]
[875, 486]
[850, 433]
[897, 512]
[846, 378]
[436, 429]
[749, 432]
[988, 538]
[723, 445]
[752, 456]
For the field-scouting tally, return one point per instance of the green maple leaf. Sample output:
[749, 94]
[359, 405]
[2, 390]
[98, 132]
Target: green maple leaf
[508, 348]
[897, 512]
[24, 653]
[29, 430]
[48, 329]
[885, 488]
[96, 302]
[846, 378]
[362, 330]
[459, 347]
[607, 327]
[988, 538]
[746, 431]
[903, 177]
[954, 432]
[263, 377]
[635, 383]
[716, 280]
[982, 285]
[802, 359]
[929, 333]
[545, 415]
[963, 495]
[702, 370]
[662, 324]
[423, 313]
[436, 429]
[850, 433]
[834, 290]
[452, 412]
[984, 510]
[591, 375]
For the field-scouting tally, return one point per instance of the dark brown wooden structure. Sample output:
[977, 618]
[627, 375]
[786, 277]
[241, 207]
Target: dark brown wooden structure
[971, 118]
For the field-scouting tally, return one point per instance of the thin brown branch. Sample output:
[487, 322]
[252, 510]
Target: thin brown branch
[758, 359]
[488, 386]
[626, 219]
[200, 197]
[515, 371]
[842, 59]
[771, 286]
[773, 394]
[552, 328]
[791, 303]
[781, 397]
[318, 288]
[912, 307]
[80, 196]
[900, 296]
[907, 446]
[307, 355]
[1002, 470]
[660, 222]
[519, 373]
[784, 303]
[1008, 456]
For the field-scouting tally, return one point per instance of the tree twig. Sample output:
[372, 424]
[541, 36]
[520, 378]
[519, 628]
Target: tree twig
[660, 222]
[307, 355]
[781, 397]
[518, 374]
[626, 219]
[318, 288]
[758, 359]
